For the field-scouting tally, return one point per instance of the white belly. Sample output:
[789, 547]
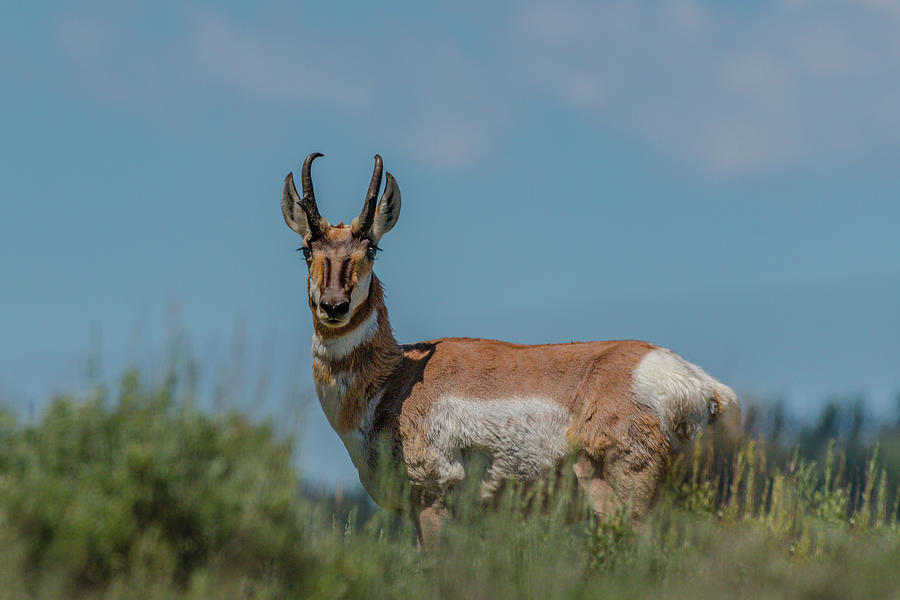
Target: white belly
[522, 438]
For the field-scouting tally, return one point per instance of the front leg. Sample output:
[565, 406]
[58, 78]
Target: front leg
[428, 522]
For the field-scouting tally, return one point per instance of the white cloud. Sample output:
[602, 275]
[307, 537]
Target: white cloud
[281, 66]
[82, 39]
[889, 7]
[419, 92]
[784, 84]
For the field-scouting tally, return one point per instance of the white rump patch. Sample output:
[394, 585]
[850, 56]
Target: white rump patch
[338, 347]
[679, 392]
[522, 437]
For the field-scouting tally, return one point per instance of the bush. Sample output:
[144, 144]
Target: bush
[148, 496]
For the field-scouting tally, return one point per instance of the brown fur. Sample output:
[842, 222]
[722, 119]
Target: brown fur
[604, 416]
[619, 444]
[620, 439]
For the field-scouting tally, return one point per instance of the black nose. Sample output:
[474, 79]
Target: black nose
[335, 310]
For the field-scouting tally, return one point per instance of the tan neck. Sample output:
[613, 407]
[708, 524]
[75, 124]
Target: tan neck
[352, 364]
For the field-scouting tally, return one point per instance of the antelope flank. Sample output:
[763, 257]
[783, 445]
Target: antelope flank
[615, 409]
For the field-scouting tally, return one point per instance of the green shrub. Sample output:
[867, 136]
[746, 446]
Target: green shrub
[148, 494]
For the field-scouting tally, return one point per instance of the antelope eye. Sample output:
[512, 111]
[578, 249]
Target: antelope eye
[305, 251]
[371, 251]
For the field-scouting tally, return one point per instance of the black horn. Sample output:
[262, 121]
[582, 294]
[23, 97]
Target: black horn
[308, 202]
[364, 222]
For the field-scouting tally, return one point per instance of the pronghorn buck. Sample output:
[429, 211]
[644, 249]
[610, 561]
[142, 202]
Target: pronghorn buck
[615, 409]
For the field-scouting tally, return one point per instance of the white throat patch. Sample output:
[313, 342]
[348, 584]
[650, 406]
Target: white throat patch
[340, 346]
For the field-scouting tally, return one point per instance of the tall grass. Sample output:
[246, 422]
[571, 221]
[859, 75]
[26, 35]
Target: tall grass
[142, 496]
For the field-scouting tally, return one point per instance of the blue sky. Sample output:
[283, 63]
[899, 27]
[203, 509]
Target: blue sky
[718, 178]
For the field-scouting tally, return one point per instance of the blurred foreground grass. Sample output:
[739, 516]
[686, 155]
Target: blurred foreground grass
[142, 496]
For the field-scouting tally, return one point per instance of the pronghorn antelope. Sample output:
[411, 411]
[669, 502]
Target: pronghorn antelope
[616, 409]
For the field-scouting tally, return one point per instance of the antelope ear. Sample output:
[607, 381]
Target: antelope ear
[294, 215]
[388, 209]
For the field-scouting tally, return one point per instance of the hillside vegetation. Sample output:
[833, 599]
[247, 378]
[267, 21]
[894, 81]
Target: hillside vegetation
[140, 495]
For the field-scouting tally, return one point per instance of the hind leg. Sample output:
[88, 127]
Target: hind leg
[637, 485]
[596, 489]
[617, 483]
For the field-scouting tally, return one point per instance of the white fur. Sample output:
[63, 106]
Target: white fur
[679, 392]
[340, 346]
[315, 292]
[359, 443]
[522, 437]
[360, 292]
[331, 396]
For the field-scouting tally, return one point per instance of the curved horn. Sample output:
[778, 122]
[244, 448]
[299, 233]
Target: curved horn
[306, 178]
[363, 223]
[308, 202]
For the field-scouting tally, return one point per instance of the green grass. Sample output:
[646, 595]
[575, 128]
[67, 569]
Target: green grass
[142, 496]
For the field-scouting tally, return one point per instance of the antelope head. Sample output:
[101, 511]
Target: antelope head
[339, 257]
